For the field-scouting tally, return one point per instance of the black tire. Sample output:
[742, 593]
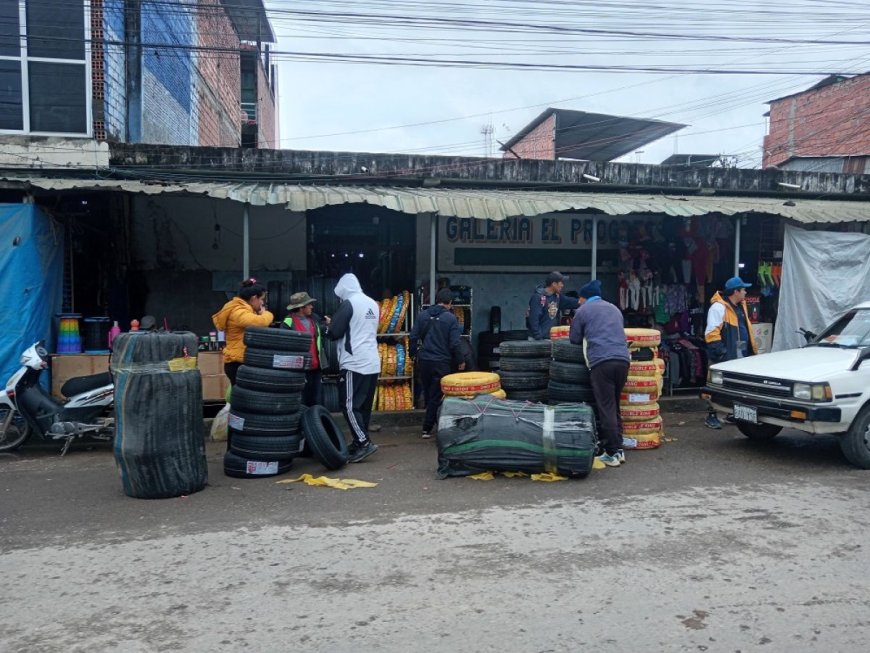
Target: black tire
[489, 364]
[522, 380]
[570, 392]
[276, 359]
[564, 351]
[758, 431]
[526, 349]
[855, 443]
[329, 356]
[265, 425]
[267, 380]
[324, 437]
[515, 334]
[268, 403]
[488, 338]
[574, 373]
[277, 339]
[331, 397]
[16, 434]
[495, 319]
[258, 447]
[527, 395]
[643, 354]
[237, 466]
[511, 364]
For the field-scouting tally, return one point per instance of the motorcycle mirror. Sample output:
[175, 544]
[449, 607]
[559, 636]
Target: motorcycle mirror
[42, 352]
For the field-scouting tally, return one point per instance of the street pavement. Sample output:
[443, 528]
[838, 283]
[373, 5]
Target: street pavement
[709, 543]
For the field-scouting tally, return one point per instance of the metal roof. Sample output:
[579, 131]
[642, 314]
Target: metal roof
[475, 203]
[597, 136]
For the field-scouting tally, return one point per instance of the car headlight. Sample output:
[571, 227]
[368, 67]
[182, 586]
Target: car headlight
[714, 377]
[812, 391]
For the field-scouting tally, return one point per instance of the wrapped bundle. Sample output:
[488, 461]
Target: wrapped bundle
[490, 434]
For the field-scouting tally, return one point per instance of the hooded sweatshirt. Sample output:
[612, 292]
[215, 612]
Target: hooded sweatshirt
[355, 326]
[232, 319]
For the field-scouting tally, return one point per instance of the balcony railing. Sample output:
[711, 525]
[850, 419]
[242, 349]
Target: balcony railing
[249, 113]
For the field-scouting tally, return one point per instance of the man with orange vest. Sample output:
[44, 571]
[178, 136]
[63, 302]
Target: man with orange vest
[302, 318]
[728, 333]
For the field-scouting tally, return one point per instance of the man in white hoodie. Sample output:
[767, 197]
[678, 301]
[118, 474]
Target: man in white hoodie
[355, 325]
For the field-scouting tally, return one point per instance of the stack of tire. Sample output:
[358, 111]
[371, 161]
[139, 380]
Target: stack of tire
[266, 404]
[467, 385]
[638, 405]
[524, 369]
[569, 376]
[489, 347]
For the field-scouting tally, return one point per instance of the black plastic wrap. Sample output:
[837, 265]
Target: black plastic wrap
[159, 439]
[483, 433]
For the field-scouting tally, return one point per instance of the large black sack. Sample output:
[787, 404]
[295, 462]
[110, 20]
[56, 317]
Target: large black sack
[483, 434]
[160, 439]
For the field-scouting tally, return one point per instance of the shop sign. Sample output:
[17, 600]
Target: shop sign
[545, 240]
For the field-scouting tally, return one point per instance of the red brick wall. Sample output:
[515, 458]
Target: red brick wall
[267, 129]
[540, 143]
[219, 90]
[830, 121]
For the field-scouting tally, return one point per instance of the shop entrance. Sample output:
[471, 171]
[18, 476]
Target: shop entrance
[376, 244]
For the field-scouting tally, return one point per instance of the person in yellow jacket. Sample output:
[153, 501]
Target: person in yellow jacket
[247, 309]
[728, 333]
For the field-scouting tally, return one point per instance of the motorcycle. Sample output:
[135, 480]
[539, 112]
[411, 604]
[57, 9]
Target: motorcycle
[26, 407]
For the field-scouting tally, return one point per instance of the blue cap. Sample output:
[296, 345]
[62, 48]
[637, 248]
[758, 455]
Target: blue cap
[591, 289]
[736, 282]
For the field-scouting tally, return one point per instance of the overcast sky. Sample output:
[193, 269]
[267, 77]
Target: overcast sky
[332, 97]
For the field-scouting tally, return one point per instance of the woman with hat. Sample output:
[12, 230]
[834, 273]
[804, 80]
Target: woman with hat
[302, 318]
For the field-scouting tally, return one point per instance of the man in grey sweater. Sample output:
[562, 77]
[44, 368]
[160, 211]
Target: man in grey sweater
[600, 324]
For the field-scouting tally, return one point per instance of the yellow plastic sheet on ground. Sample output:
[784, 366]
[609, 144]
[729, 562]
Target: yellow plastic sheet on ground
[546, 477]
[597, 464]
[325, 481]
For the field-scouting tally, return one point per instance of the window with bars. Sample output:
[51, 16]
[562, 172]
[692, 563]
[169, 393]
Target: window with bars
[44, 57]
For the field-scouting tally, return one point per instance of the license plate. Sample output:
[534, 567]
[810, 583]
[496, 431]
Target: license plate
[745, 413]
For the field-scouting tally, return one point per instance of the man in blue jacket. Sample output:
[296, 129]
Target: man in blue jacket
[435, 343]
[546, 306]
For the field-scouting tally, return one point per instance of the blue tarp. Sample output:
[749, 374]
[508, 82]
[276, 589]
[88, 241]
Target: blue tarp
[31, 281]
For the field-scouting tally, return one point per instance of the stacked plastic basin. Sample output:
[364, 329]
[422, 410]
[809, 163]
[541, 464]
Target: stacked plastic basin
[69, 340]
[638, 405]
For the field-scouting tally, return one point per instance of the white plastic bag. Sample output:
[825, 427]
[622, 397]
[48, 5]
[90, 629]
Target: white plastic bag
[219, 424]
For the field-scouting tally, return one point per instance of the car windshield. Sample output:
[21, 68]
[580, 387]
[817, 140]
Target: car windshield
[851, 330]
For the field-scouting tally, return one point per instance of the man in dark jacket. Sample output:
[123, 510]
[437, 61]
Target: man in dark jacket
[601, 326]
[435, 343]
[546, 306]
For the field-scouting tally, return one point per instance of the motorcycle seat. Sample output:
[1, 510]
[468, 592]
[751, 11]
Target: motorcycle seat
[80, 384]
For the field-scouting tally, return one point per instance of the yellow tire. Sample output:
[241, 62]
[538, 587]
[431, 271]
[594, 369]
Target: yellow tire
[497, 394]
[641, 384]
[469, 383]
[557, 332]
[643, 368]
[646, 397]
[646, 427]
[643, 338]
[639, 412]
[650, 441]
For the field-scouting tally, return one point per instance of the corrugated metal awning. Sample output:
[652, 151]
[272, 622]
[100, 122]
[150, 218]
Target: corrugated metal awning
[475, 203]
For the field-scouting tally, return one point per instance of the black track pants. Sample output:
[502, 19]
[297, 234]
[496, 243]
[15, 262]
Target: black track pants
[430, 377]
[356, 393]
[608, 379]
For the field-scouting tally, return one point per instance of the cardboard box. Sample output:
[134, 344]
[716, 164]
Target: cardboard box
[66, 366]
[214, 387]
[210, 362]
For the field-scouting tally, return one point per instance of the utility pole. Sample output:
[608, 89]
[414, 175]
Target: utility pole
[487, 131]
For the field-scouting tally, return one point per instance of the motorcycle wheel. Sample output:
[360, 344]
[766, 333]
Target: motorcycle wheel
[17, 431]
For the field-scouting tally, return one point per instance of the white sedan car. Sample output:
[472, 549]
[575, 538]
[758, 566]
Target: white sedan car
[823, 387]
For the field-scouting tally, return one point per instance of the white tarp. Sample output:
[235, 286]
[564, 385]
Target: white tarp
[824, 273]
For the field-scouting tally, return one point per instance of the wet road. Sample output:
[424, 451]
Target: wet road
[711, 543]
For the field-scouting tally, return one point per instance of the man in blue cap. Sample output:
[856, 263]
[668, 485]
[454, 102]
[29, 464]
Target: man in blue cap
[728, 333]
[599, 324]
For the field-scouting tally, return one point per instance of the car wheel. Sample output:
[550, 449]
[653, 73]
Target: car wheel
[855, 443]
[758, 431]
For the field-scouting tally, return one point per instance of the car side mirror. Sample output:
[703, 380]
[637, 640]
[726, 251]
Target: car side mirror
[864, 355]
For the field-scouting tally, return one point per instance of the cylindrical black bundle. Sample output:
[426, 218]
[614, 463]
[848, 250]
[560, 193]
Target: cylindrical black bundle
[159, 439]
[484, 434]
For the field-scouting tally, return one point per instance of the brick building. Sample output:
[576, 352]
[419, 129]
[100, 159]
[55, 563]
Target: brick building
[825, 128]
[137, 71]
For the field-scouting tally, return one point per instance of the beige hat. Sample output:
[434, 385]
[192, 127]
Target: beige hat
[299, 299]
